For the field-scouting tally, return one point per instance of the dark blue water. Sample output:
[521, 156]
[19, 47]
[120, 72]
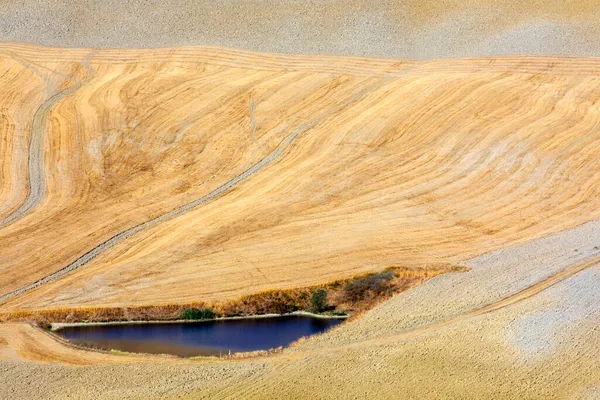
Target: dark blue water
[200, 338]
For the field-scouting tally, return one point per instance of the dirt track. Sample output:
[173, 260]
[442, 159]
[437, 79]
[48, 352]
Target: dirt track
[36, 179]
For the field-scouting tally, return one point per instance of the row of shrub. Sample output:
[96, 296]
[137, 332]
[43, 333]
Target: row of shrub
[356, 290]
[274, 301]
[279, 302]
[357, 294]
[369, 286]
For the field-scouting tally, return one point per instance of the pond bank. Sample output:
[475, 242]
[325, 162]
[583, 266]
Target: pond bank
[347, 296]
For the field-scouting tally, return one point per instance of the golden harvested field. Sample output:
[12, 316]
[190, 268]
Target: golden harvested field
[148, 177]
[188, 174]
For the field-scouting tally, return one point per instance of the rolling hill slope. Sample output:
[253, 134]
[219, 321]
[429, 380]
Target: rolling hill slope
[136, 177]
[143, 177]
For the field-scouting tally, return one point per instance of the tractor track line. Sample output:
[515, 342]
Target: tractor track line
[35, 162]
[517, 297]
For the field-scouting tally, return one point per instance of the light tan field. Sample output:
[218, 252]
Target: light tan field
[416, 29]
[144, 177]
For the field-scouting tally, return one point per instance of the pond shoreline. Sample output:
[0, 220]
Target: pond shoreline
[352, 296]
[55, 326]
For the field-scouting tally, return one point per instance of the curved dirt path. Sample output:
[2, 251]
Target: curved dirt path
[270, 158]
[35, 164]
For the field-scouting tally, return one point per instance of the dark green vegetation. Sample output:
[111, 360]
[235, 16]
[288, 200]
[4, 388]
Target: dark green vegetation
[318, 301]
[198, 313]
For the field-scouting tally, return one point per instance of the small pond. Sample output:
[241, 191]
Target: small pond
[205, 338]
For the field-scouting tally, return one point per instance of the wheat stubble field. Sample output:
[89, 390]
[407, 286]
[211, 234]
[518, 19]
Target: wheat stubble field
[147, 177]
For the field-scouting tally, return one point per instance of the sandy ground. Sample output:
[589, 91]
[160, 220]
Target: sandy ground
[544, 346]
[380, 28]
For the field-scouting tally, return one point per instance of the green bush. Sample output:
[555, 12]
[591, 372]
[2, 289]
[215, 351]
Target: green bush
[318, 301]
[201, 313]
[339, 313]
